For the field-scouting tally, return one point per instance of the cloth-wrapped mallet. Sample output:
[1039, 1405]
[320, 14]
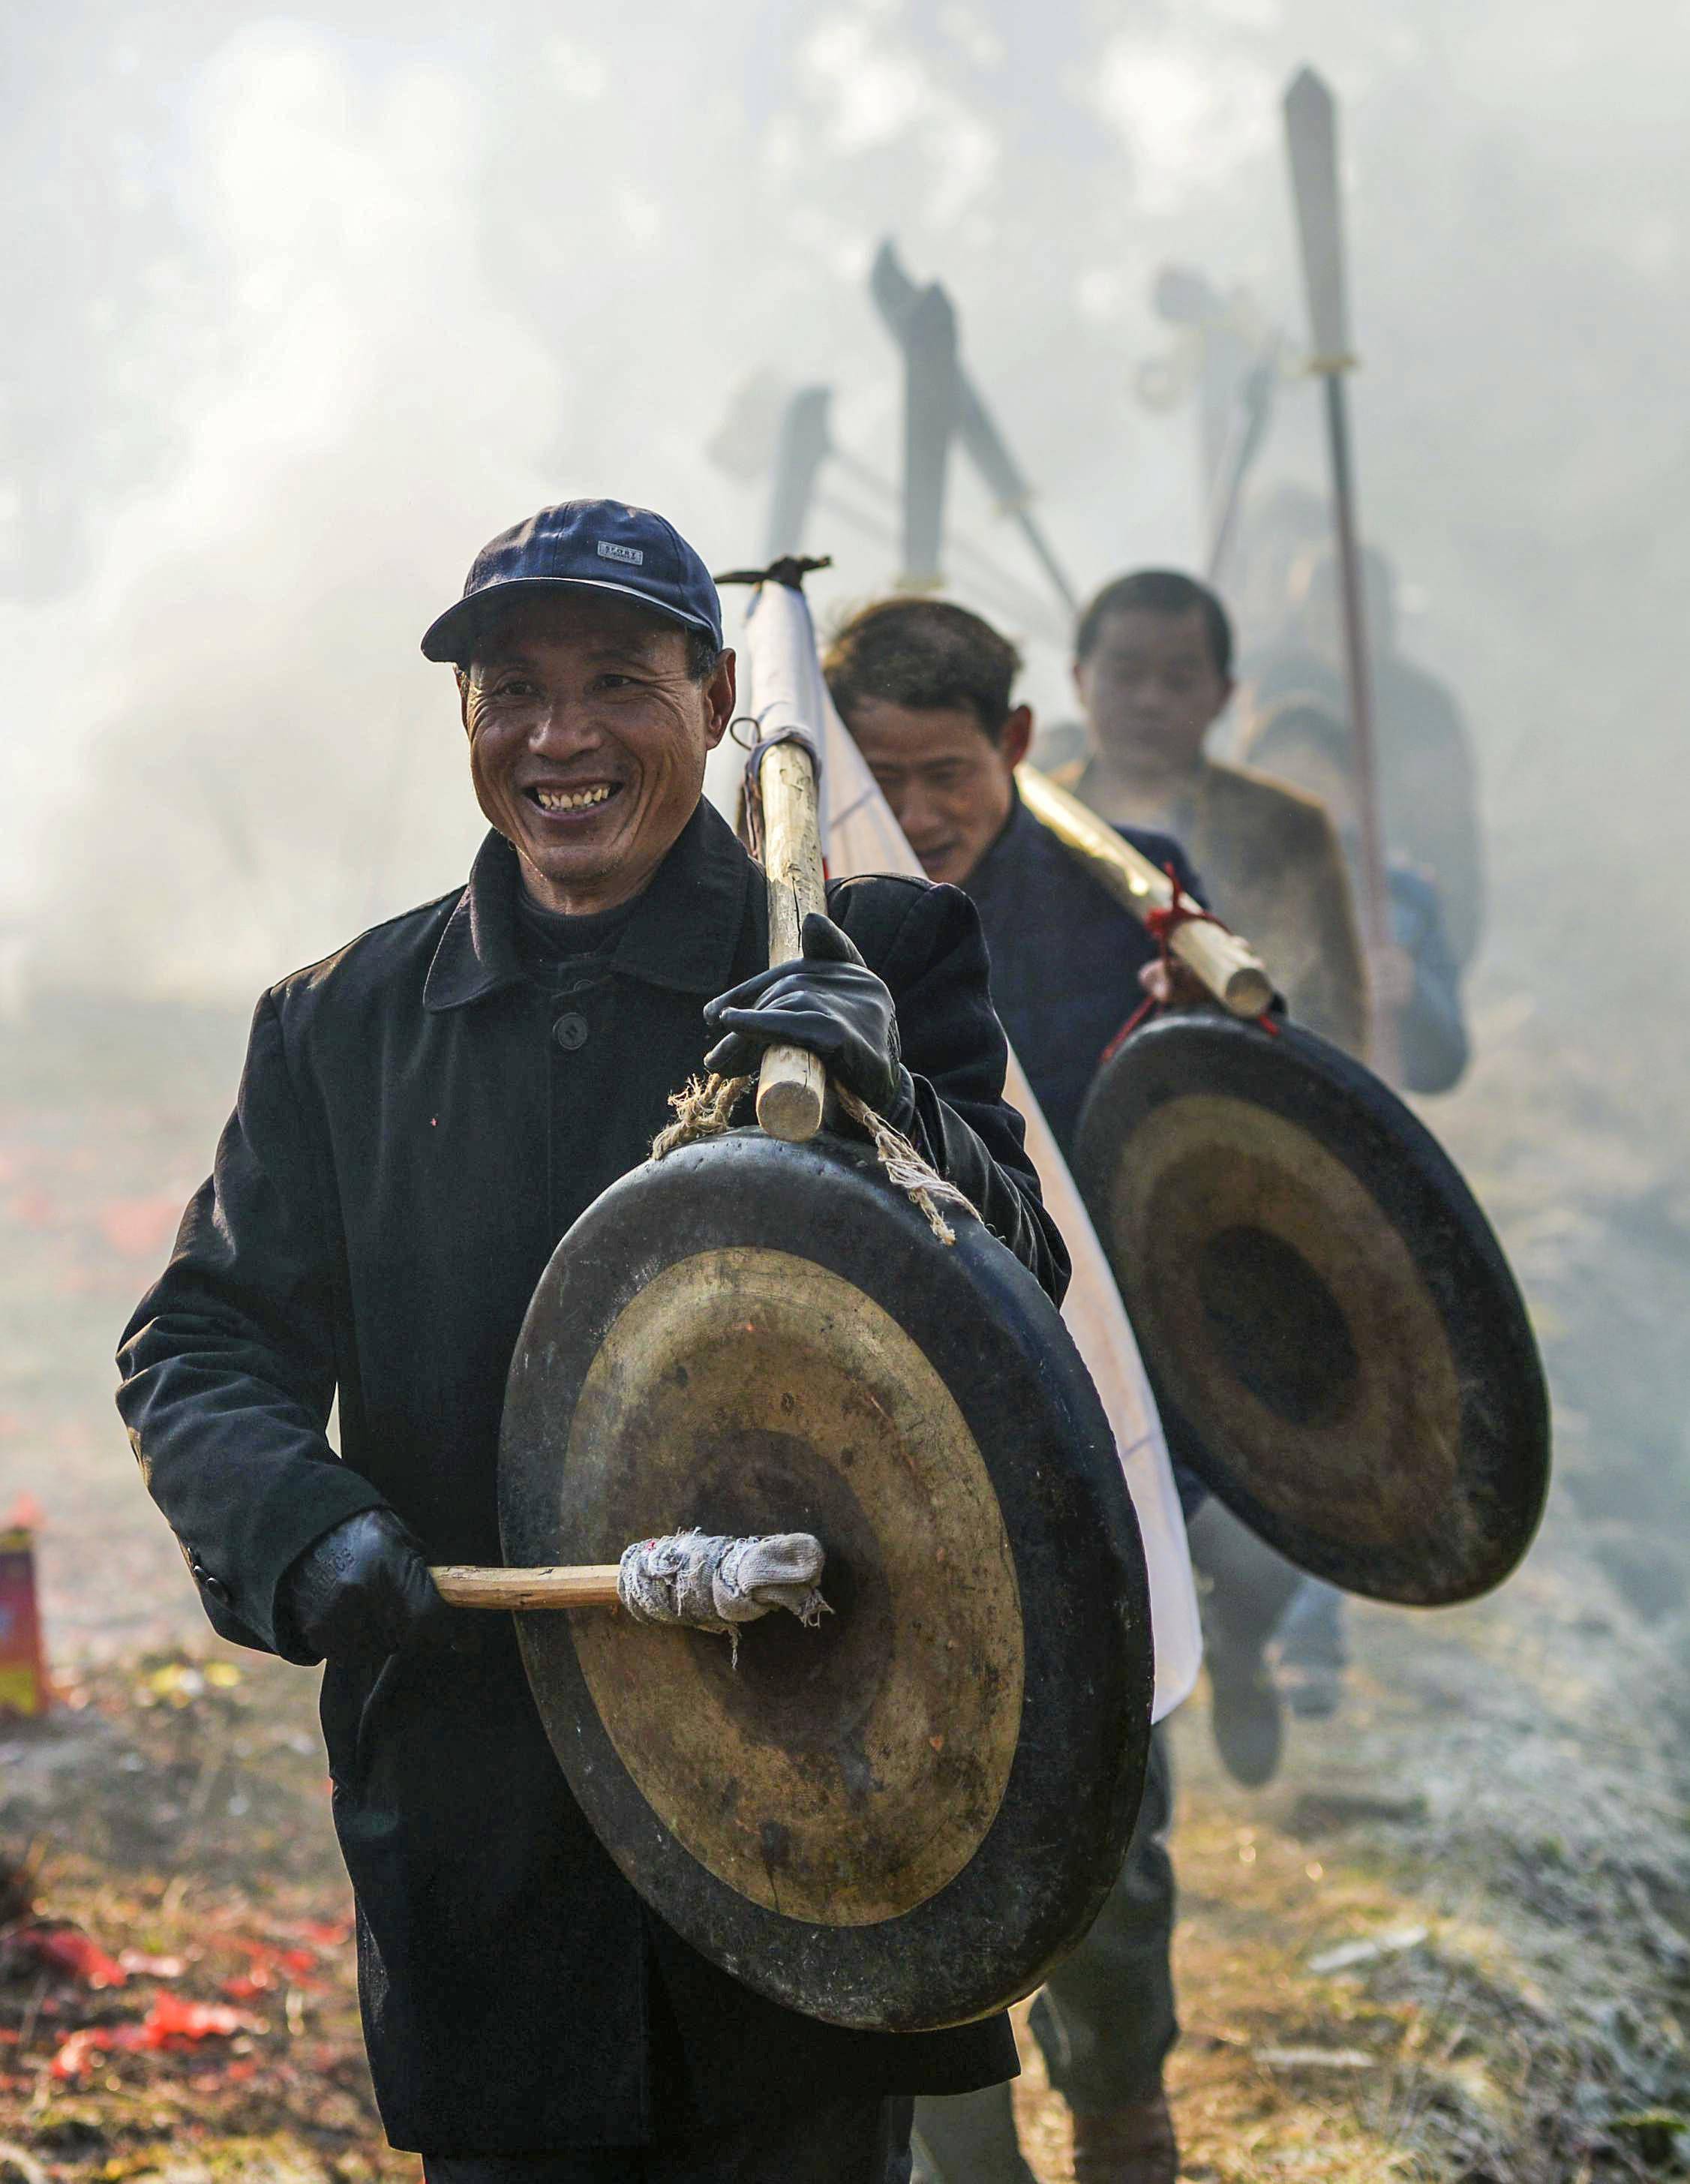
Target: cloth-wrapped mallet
[710, 1583]
[699, 1580]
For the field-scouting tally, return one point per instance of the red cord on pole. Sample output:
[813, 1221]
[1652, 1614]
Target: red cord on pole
[1162, 924]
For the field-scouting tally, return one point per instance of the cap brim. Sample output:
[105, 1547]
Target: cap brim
[447, 638]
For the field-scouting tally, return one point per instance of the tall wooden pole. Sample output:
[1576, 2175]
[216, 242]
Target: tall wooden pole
[1311, 141]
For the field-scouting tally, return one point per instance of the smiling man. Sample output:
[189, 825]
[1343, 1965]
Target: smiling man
[422, 1117]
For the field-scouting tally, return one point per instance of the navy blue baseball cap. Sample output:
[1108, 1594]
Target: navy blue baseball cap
[583, 545]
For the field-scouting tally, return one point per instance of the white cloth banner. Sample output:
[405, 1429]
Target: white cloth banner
[859, 835]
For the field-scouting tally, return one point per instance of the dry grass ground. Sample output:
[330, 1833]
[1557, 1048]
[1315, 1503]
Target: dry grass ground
[1449, 1945]
[176, 1814]
[1451, 1942]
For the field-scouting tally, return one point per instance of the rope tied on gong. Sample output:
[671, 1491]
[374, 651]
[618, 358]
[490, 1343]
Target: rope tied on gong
[703, 1108]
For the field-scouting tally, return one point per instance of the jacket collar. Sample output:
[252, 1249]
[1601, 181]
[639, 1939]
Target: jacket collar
[683, 934]
[1013, 838]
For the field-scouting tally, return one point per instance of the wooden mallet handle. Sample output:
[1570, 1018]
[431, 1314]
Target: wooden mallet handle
[792, 1085]
[587, 1585]
[669, 1576]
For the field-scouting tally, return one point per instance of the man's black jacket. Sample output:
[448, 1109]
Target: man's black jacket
[411, 1139]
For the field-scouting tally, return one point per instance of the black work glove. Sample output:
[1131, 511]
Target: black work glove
[364, 1590]
[828, 1002]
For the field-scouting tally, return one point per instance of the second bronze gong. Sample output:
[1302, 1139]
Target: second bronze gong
[1337, 1344]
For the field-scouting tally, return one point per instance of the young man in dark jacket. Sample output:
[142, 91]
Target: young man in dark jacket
[422, 1117]
[926, 689]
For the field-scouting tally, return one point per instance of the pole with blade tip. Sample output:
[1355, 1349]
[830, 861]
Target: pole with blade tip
[930, 416]
[989, 452]
[905, 308]
[1311, 142]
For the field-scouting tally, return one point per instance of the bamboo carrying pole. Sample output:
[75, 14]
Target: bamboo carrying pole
[1226, 965]
[792, 1085]
[587, 1585]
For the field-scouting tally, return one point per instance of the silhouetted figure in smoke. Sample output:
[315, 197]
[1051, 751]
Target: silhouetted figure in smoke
[1276, 534]
[1417, 977]
[1427, 785]
[1153, 669]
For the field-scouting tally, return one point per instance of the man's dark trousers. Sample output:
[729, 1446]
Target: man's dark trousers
[1105, 2020]
[856, 2140]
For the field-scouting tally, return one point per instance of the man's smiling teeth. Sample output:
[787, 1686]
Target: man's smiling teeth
[560, 800]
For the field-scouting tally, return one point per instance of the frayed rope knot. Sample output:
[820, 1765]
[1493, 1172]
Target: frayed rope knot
[920, 1180]
[706, 1581]
[704, 1107]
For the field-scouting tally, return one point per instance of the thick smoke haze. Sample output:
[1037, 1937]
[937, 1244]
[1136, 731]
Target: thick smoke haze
[304, 303]
[306, 306]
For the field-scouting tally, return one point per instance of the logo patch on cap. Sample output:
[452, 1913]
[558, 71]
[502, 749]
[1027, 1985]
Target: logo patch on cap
[634, 555]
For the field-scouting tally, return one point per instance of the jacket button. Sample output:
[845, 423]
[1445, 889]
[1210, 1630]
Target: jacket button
[217, 1591]
[570, 1030]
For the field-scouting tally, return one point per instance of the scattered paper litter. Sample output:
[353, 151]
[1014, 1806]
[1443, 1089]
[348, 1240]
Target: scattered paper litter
[1345, 1955]
[1315, 2058]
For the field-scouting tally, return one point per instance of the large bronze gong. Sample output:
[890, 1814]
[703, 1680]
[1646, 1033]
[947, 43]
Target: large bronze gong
[900, 1818]
[1335, 1342]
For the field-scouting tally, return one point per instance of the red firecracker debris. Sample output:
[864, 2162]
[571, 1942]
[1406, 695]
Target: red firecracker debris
[170, 2022]
[173, 2018]
[327, 1935]
[268, 1967]
[77, 2053]
[65, 1949]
